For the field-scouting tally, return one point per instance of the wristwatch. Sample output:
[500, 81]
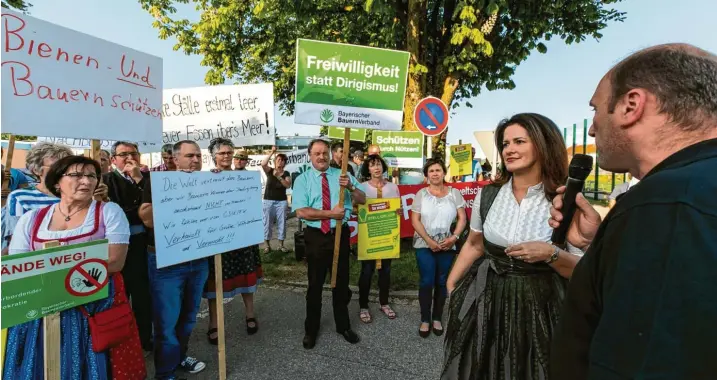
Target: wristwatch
[457, 237]
[554, 255]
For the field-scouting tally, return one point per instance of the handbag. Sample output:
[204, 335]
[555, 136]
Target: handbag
[110, 327]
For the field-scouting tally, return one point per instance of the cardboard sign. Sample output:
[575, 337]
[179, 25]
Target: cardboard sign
[39, 283]
[461, 160]
[201, 214]
[241, 113]
[400, 149]
[379, 229]
[50, 72]
[349, 86]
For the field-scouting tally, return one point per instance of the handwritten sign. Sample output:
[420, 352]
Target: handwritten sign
[50, 72]
[39, 283]
[104, 144]
[202, 214]
[241, 113]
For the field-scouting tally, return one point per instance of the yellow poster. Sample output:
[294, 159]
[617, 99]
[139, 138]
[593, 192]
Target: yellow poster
[461, 160]
[379, 229]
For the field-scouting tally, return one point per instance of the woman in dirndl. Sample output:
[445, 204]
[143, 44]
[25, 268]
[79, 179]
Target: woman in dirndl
[241, 268]
[503, 313]
[76, 218]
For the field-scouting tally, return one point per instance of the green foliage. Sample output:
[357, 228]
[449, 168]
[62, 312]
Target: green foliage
[18, 5]
[6, 136]
[475, 43]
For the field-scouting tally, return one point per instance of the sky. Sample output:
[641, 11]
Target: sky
[558, 84]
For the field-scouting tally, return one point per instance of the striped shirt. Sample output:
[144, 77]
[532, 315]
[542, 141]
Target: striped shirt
[20, 202]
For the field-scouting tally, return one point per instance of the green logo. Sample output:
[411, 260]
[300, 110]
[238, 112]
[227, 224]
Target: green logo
[362, 215]
[327, 115]
[32, 314]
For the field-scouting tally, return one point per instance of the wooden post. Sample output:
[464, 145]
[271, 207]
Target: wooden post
[52, 340]
[429, 147]
[342, 194]
[6, 176]
[219, 291]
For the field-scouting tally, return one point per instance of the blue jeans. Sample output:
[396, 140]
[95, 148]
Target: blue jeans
[275, 211]
[176, 294]
[433, 268]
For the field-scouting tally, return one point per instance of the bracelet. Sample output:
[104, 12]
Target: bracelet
[554, 256]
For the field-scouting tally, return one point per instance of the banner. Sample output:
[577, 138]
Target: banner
[104, 144]
[241, 113]
[39, 283]
[379, 229]
[400, 149]
[357, 134]
[349, 86]
[408, 193]
[202, 214]
[461, 160]
[50, 73]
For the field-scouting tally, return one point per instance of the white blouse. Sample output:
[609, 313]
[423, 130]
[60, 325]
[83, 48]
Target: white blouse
[509, 222]
[437, 214]
[115, 223]
[389, 190]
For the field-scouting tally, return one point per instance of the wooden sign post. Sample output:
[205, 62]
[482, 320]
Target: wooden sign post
[6, 176]
[219, 291]
[52, 339]
[342, 194]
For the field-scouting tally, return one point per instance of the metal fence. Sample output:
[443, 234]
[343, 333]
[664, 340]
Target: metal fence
[599, 184]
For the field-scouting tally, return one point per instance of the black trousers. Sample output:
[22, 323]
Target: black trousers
[319, 257]
[384, 281]
[136, 278]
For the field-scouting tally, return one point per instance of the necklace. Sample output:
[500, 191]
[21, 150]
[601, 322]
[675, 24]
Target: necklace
[68, 217]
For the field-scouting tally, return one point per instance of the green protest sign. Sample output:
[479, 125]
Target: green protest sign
[400, 149]
[357, 134]
[349, 86]
[39, 283]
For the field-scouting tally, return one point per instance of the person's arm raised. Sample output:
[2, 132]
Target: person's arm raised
[265, 161]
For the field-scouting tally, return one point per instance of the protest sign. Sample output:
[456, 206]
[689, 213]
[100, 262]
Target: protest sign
[461, 160]
[357, 134]
[39, 283]
[349, 86]
[379, 229]
[400, 149]
[297, 162]
[111, 91]
[241, 113]
[104, 144]
[201, 214]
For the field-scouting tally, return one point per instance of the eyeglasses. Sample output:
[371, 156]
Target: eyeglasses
[78, 175]
[127, 154]
[224, 153]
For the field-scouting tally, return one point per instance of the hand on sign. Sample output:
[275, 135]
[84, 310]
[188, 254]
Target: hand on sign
[345, 182]
[101, 192]
[399, 211]
[216, 170]
[337, 212]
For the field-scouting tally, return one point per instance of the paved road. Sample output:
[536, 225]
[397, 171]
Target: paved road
[390, 350]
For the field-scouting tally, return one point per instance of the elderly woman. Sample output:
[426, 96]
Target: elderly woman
[75, 218]
[38, 161]
[434, 210]
[275, 201]
[241, 268]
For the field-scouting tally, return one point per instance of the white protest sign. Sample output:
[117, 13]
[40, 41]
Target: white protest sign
[297, 162]
[104, 144]
[241, 113]
[59, 82]
[202, 214]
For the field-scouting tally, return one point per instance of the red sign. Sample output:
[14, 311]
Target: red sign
[87, 278]
[408, 192]
[431, 116]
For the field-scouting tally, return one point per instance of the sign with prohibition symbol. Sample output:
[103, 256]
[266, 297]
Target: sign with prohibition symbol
[87, 278]
[431, 116]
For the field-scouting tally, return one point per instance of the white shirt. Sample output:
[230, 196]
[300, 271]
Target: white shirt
[437, 214]
[115, 222]
[509, 222]
[389, 190]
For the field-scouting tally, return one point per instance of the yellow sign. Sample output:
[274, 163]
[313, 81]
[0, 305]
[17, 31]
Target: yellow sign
[461, 160]
[379, 229]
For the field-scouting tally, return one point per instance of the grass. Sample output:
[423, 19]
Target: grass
[284, 267]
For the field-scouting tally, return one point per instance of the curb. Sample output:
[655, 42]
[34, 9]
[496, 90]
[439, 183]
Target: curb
[406, 295]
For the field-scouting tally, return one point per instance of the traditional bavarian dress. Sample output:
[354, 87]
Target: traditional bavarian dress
[24, 358]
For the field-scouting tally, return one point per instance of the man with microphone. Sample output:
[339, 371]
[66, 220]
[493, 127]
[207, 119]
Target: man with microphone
[642, 302]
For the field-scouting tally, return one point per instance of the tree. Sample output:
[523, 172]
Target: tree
[458, 47]
[19, 5]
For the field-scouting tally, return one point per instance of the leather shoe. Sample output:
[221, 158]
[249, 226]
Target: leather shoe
[351, 336]
[309, 341]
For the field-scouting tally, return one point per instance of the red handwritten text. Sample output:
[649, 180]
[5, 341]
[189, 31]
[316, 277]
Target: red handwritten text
[131, 76]
[23, 86]
[139, 105]
[14, 41]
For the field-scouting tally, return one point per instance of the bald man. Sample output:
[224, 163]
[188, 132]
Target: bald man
[642, 302]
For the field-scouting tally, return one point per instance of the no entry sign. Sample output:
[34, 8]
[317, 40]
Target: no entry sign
[431, 116]
[87, 278]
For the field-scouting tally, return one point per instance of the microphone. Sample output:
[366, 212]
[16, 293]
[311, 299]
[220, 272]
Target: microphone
[580, 167]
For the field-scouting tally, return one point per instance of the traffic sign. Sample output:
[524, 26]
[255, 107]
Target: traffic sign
[87, 277]
[431, 116]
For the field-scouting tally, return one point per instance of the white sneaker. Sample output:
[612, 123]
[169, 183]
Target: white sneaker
[192, 365]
